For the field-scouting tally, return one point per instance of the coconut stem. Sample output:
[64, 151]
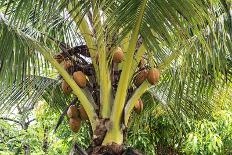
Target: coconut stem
[121, 93]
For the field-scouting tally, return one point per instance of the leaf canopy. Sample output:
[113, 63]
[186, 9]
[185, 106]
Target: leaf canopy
[189, 40]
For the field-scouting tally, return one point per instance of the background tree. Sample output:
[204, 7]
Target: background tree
[188, 42]
[39, 136]
[160, 135]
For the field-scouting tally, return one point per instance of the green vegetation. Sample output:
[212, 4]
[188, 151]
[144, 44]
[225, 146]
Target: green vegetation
[156, 135]
[109, 76]
[39, 137]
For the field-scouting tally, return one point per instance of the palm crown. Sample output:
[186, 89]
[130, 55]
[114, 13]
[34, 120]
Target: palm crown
[189, 42]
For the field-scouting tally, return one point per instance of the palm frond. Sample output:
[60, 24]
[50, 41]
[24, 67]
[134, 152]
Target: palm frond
[49, 18]
[55, 97]
[162, 19]
[18, 59]
[189, 81]
[193, 36]
[32, 90]
[26, 93]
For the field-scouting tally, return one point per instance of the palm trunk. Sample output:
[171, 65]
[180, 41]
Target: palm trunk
[98, 147]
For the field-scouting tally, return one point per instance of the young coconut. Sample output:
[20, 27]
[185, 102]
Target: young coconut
[75, 124]
[118, 55]
[153, 76]
[65, 87]
[140, 77]
[138, 106]
[83, 114]
[80, 79]
[72, 111]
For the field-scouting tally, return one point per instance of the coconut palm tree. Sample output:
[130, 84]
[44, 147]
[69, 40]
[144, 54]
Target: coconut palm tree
[109, 53]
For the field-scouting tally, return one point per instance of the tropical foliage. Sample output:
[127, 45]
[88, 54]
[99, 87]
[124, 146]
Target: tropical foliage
[188, 42]
[156, 136]
[39, 137]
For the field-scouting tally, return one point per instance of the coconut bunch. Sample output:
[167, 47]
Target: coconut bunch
[74, 61]
[76, 67]
[152, 76]
[81, 70]
[74, 120]
[79, 77]
[76, 115]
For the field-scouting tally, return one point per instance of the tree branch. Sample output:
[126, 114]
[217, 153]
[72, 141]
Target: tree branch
[30, 121]
[12, 120]
[79, 150]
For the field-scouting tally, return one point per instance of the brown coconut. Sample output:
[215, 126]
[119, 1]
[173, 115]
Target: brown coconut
[65, 87]
[140, 77]
[138, 106]
[80, 79]
[72, 111]
[118, 55]
[75, 124]
[83, 113]
[153, 76]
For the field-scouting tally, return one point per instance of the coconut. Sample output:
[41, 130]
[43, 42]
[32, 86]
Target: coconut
[75, 124]
[59, 58]
[72, 111]
[153, 76]
[138, 106]
[140, 77]
[65, 87]
[80, 79]
[67, 64]
[83, 114]
[118, 55]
